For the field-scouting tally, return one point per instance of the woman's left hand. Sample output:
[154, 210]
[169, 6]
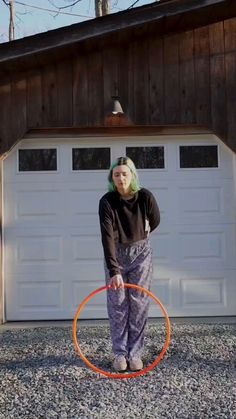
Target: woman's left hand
[117, 281]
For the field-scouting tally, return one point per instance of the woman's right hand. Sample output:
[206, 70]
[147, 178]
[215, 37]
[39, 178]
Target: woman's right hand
[117, 281]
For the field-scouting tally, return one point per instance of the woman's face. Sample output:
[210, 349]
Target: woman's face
[122, 176]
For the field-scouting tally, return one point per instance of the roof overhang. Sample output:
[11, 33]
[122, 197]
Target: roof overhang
[166, 16]
[119, 131]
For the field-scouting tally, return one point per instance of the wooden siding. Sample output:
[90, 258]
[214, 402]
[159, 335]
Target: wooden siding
[1, 245]
[230, 77]
[202, 76]
[178, 79]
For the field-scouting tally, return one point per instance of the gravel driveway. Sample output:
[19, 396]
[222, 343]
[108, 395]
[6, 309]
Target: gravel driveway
[42, 377]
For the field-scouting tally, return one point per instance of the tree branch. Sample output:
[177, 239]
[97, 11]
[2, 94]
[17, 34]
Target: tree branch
[132, 5]
[49, 10]
[4, 1]
[64, 7]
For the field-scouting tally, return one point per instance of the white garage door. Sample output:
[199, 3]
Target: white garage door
[52, 251]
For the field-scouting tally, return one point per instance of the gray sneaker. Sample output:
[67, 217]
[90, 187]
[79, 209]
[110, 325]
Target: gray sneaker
[136, 364]
[120, 363]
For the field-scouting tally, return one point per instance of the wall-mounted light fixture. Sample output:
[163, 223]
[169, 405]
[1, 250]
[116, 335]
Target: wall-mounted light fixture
[116, 106]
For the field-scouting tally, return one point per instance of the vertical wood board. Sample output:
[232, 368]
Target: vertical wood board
[156, 82]
[50, 95]
[80, 92]
[95, 89]
[141, 90]
[187, 78]
[34, 100]
[171, 81]
[19, 110]
[110, 78]
[5, 117]
[230, 70]
[217, 80]
[65, 98]
[202, 76]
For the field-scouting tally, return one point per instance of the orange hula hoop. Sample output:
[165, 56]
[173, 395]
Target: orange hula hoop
[124, 375]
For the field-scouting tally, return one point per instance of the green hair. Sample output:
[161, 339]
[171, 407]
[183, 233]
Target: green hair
[134, 185]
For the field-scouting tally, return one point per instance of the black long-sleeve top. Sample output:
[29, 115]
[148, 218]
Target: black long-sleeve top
[125, 221]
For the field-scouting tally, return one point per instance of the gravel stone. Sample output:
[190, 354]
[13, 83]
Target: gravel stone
[42, 376]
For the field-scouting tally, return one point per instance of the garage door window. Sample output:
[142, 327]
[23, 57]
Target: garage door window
[147, 157]
[38, 160]
[198, 156]
[91, 158]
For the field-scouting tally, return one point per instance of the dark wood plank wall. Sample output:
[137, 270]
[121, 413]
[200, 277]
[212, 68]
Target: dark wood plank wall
[95, 89]
[65, 94]
[34, 100]
[185, 78]
[18, 108]
[1, 253]
[202, 76]
[80, 92]
[218, 79]
[50, 89]
[230, 73]
[5, 123]
[172, 113]
[110, 77]
[156, 81]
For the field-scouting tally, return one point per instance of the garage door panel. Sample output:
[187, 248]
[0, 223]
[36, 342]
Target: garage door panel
[33, 296]
[161, 287]
[39, 249]
[202, 294]
[206, 203]
[84, 202]
[202, 245]
[90, 271]
[201, 174]
[86, 179]
[35, 249]
[207, 293]
[165, 286]
[85, 247]
[163, 196]
[40, 295]
[38, 207]
[192, 293]
[200, 201]
[80, 290]
[208, 245]
[47, 207]
[163, 249]
[155, 178]
[41, 203]
[203, 291]
[85, 223]
[82, 283]
[50, 271]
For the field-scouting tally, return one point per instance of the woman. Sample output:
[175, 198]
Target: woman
[128, 213]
